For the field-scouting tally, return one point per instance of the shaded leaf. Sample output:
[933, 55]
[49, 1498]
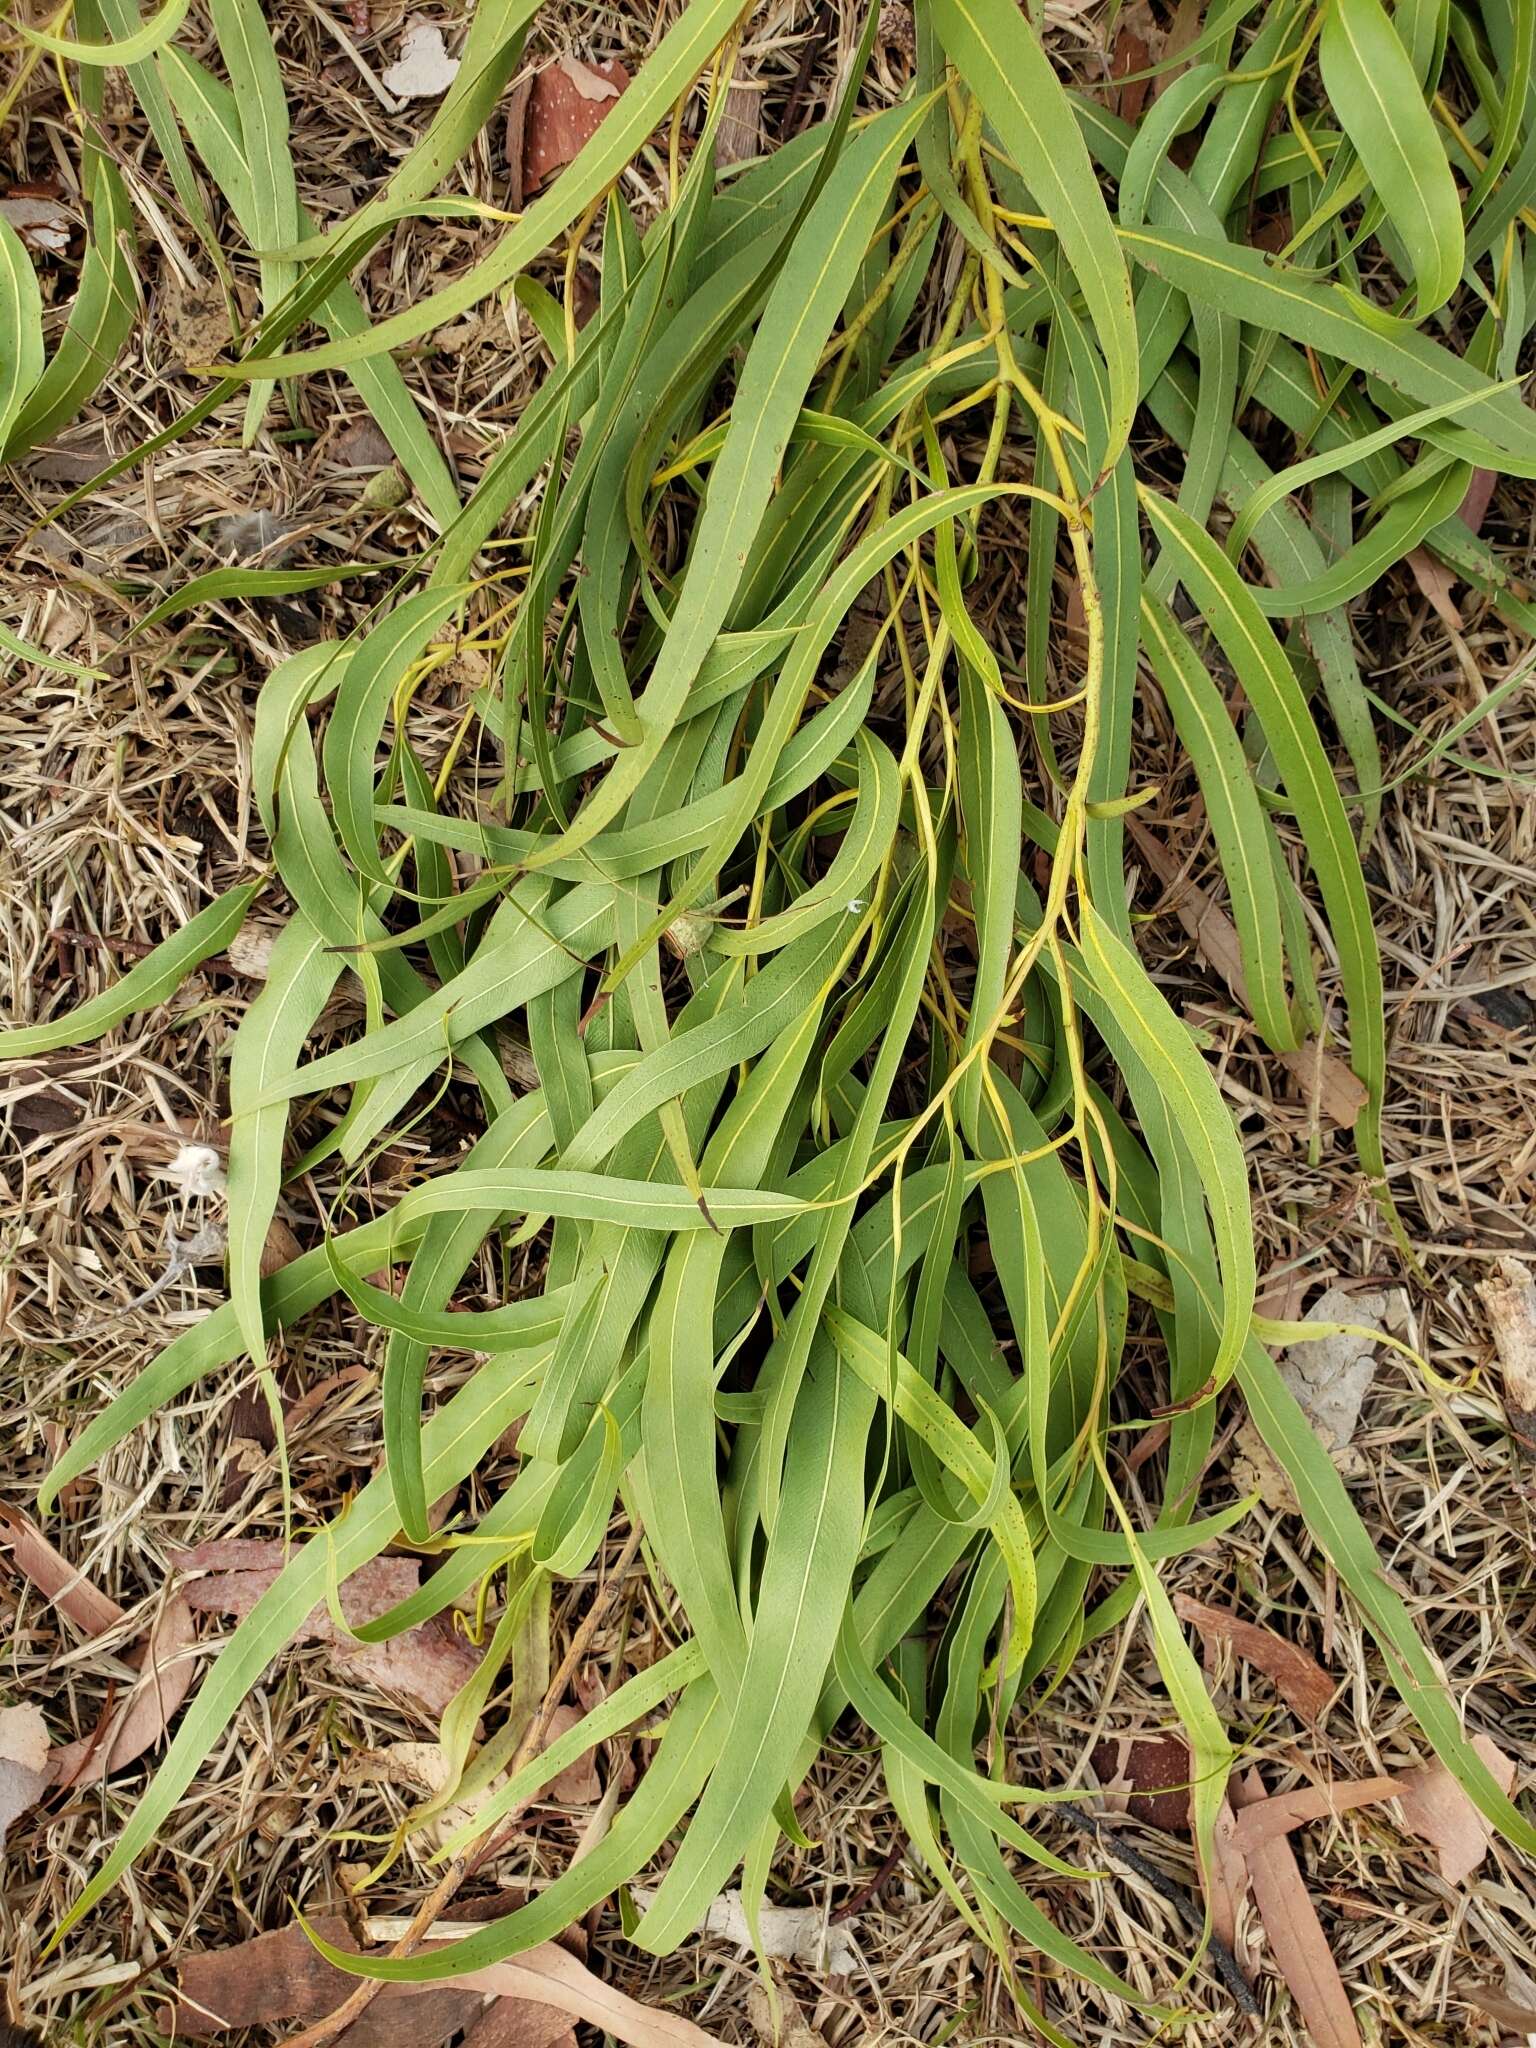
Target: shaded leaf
[23, 1762]
[427, 1664]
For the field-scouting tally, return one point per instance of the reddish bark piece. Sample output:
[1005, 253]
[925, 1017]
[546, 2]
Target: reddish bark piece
[1151, 1773]
[560, 112]
[1300, 1680]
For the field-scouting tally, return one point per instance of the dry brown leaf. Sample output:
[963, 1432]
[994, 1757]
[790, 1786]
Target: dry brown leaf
[1474, 506]
[1436, 582]
[423, 70]
[1299, 1679]
[1284, 1812]
[1435, 1808]
[1295, 1935]
[283, 1976]
[561, 111]
[36, 1104]
[427, 1663]
[554, 1977]
[1325, 1080]
[1146, 1776]
[36, 1559]
[1226, 1886]
[1509, 1298]
[518, 2023]
[1132, 53]
[1513, 2007]
[137, 1721]
[23, 1762]
[588, 81]
[778, 2020]
[279, 1248]
[195, 324]
[1254, 1470]
[41, 221]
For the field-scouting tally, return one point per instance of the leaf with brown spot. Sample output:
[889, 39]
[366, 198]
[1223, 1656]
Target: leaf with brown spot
[1299, 1679]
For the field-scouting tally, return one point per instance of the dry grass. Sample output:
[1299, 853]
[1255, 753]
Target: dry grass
[123, 803]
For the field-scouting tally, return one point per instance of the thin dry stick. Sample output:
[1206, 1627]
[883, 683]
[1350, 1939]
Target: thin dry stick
[324, 2031]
